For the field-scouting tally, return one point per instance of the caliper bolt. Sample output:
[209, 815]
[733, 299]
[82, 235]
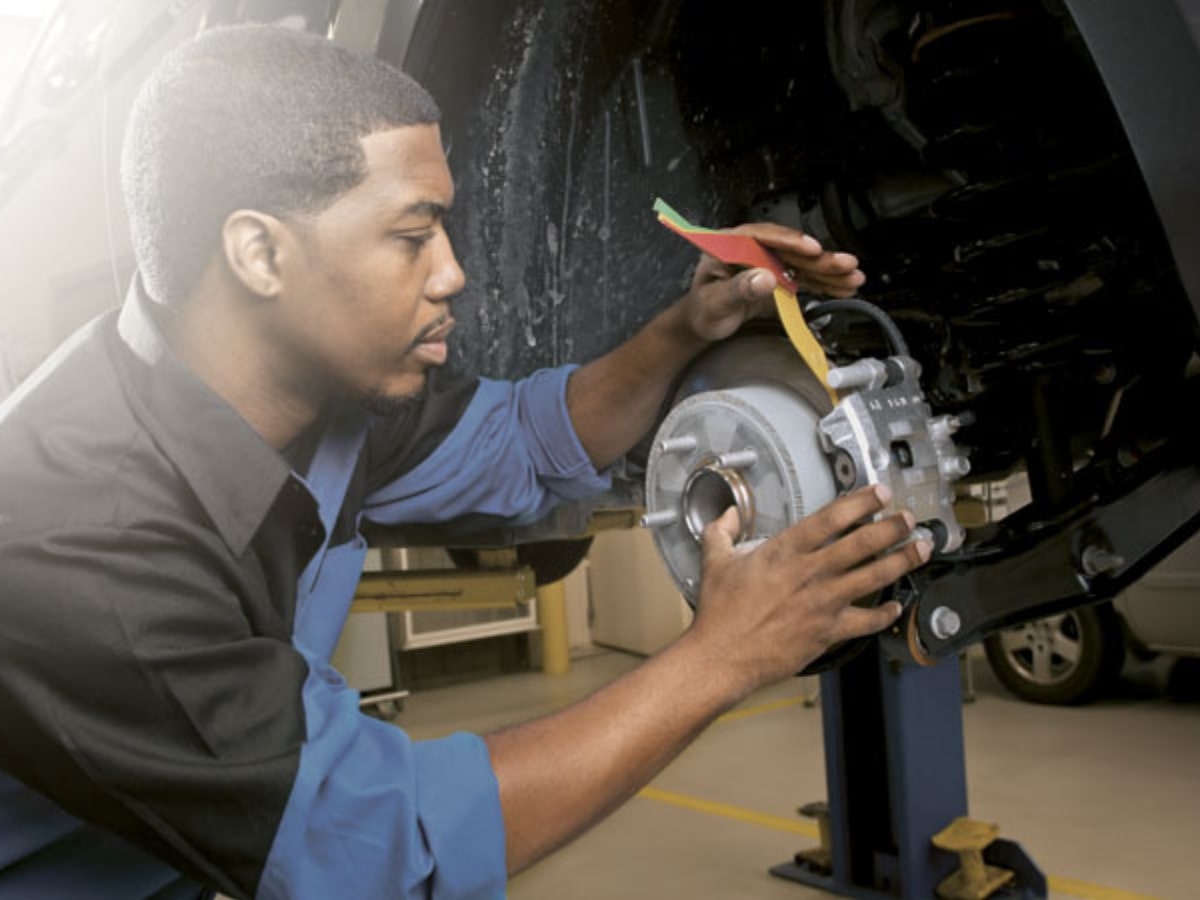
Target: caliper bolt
[870, 374]
[945, 623]
[954, 467]
[942, 427]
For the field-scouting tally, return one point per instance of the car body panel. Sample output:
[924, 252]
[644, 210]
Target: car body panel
[1162, 610]
[1154, 82]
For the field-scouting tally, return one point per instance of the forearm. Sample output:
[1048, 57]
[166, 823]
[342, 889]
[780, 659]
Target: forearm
[614, 400]
[560, 775]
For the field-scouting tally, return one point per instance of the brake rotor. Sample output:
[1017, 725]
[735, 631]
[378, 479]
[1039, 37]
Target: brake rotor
[742, 433]
[754, 448]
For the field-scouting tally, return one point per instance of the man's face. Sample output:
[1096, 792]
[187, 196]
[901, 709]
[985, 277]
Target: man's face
[367, 297]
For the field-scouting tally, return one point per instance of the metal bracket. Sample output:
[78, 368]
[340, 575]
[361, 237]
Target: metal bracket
[1105, 541]
[429, 589]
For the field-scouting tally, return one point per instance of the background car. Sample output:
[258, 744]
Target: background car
[1074, 656]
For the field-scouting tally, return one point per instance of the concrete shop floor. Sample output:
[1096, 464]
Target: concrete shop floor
[1106, 798]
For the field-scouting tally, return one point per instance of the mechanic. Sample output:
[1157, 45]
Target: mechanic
[182, 485]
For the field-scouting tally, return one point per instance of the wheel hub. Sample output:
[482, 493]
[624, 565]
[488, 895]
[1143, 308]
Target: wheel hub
[753, 447]
[1041, 650]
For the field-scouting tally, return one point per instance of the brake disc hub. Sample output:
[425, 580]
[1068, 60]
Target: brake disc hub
[755, 448]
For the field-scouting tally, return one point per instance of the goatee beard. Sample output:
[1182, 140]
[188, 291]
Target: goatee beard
[389, 405]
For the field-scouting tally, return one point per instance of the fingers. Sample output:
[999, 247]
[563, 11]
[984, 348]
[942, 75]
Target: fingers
[837, 287]
[719, 535]
[815, 269]
[783, 240]
[722, 302]
[711, 269]
[876, 575]
[835, 274]
[853, 565]
[748, 284]
[756, 284]
[826, 273]
[758, 296]
[855, 622]
[865, 542]
[778, 604]
[815, 530]
[829, 265]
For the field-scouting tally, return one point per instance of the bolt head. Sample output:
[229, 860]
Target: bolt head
[945, 623]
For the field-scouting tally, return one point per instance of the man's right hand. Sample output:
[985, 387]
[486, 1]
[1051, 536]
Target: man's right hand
[765, 614]
[762, 616]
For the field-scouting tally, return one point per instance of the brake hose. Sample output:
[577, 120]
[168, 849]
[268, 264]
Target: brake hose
[895, 338]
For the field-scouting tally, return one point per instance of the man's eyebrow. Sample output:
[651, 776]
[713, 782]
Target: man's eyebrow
[427, 208]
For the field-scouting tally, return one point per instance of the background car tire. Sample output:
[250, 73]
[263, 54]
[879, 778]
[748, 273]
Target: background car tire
[1064, 659]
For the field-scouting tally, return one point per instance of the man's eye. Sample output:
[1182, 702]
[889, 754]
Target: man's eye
[416, 240]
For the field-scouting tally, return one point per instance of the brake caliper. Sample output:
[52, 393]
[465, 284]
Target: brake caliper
[883, 432]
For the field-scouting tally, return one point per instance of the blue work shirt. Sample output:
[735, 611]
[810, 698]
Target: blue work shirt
[171, 591]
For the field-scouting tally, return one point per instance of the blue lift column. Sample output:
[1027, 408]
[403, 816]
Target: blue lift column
[896, 776]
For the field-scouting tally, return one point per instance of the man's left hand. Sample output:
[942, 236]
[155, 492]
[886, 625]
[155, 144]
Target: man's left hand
[722, 298]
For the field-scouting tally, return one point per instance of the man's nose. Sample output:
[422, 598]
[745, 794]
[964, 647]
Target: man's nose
[447, 278]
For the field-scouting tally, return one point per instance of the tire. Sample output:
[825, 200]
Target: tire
[550, 116]
[1062, 660]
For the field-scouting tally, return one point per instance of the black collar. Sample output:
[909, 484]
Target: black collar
[233, 472]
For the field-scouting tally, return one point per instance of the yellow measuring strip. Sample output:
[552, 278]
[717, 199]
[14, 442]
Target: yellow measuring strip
[743, 250]
[802, 338]
[1058, 885]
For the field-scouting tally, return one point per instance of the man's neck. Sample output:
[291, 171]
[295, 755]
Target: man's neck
[216, 336]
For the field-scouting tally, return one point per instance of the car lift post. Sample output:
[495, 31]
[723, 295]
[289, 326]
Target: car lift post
[896, 777]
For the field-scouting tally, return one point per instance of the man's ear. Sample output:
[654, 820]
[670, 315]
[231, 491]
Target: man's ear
[251, 241]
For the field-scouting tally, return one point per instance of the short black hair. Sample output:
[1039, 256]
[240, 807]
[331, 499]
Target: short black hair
[249, 117]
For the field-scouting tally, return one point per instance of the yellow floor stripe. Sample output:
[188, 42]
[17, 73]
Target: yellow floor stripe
[757, 710]
[1068, 886]
[695, 804]
[1073, 888]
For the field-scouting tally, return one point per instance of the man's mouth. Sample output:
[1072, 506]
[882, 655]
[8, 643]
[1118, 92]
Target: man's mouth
[431, 348]
[439, 334]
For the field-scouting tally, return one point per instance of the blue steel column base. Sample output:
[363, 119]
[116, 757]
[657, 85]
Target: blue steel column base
[1030, 881]
[803, 875]
[896, 776]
